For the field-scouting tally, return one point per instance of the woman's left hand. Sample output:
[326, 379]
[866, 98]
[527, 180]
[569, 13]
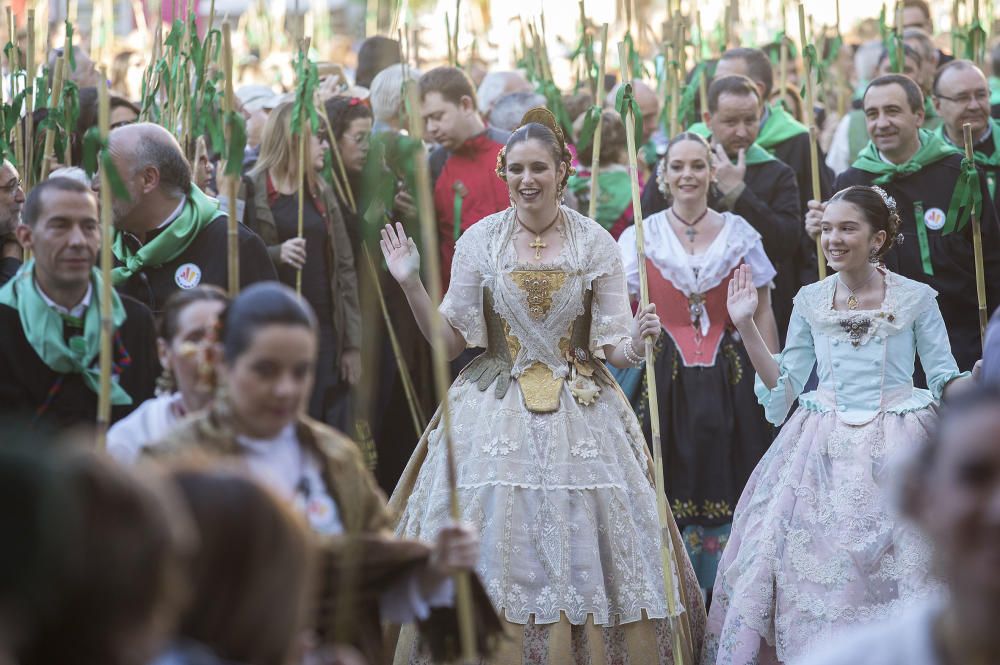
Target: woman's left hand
[646, 324]
[350, 366]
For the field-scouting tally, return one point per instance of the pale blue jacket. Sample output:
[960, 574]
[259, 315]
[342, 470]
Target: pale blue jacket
[865, 358]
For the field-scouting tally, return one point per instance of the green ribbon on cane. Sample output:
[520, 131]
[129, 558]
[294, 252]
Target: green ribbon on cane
[625, 101]
[95, 149]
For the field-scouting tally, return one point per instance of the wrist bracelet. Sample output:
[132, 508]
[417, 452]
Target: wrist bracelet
[630, 354]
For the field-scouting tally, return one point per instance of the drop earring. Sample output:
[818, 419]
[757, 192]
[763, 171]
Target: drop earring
[873, 256]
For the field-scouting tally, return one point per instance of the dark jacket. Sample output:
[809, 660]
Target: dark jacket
[26, 383]
[343, 277]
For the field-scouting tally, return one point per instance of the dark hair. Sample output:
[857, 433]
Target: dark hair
[376, 53]
[123, 564]
[537, 131]
[958, 64]
[914, 97]
[342, 111]
[251, 573]
[166, 156]
[758, 66]
[449, 82]
[262, 304]
[33, 206]
[613, 139]
[908, 52]
[740, 86]
[115, 101]
[178, 302]
[875, 210]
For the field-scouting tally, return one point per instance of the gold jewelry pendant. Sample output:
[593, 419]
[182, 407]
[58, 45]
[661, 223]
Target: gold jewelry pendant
[852, 302]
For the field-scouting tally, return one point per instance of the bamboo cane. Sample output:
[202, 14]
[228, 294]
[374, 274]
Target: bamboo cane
[50, 133]
[28, 171]
[416, 413]
[974, 36]
[107, 238]
[977, 245]
[15, 65]
[344, 191]
[811, 124]
[683, 653]
[233, 230]
[442, 375]
[595, 162]
[303, 146]
[454, 38]
[900, 62]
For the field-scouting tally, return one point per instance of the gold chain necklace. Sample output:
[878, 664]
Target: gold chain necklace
[852, 300]
[537, 244]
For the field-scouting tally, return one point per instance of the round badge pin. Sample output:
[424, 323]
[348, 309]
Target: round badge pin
[934, 218]
[188, 276]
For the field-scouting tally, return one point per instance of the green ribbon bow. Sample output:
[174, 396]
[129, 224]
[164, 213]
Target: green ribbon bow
[307, 81]
[625, 102]
[990, 163]
[44, 329]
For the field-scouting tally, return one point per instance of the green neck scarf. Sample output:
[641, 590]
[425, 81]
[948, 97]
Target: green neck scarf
[43, 328]
[199, 211]
[778, 128]
[929, 110]
[932, 149]
[614, 194]
[989, 161]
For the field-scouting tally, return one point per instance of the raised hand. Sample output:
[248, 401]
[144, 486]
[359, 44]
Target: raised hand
[742, 299]
[400, 254]
[729, 175]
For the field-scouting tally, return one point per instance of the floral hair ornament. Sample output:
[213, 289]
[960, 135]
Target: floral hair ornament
[501, 169]
[890, 202]
[358, 101]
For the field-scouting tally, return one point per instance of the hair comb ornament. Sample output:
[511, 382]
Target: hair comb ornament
[890, 202]
[501, 169]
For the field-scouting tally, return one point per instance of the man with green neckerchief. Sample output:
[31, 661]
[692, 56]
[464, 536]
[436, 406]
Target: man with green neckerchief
[50, 319]
[750, 183]
[962, 95]
[933, 187]
[169, 234]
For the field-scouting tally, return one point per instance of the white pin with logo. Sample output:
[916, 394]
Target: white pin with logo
[188, 276]
[935, 218]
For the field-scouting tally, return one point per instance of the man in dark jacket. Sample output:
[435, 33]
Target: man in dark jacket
[50, 318]
[169, 234]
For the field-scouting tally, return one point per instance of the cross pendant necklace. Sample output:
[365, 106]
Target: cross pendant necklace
[537, 243]
[690, 231]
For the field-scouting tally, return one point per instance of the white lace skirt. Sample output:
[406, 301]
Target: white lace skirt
[563, 502]
[816, 545]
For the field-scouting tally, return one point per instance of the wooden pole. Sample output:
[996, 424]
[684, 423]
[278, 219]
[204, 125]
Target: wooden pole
[813, 147]
[233, 229]
[977, 246]
[107, 239]
[28, 171]
[974, 36]
[900, 62]
[442, 374]
[416, 413]
[595, 162]
[304, 131]
[782, 58]
[683, 653]
[50, 133]
[14, 65]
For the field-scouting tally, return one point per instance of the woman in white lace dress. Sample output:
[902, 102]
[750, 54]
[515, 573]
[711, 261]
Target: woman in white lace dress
[552, 466]
[815, 546]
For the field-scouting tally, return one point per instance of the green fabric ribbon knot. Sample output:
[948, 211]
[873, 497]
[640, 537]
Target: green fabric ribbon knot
[43, 328]
[307, 81]
[199, 211]
[625, 102]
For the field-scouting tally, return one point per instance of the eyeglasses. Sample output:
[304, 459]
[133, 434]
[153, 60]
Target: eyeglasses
[12, 187]
[362, 138]
[981, 97]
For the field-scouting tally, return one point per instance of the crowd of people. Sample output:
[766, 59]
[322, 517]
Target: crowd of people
[278, 480]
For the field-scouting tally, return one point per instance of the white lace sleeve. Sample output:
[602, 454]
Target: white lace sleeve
[611, 312]
[462, 306]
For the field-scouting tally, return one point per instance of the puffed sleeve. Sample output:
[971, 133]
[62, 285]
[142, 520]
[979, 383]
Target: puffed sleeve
[795, 364]
[934, 350]
[761, 266]
[630, 260]
[611, 320]
[462, 306]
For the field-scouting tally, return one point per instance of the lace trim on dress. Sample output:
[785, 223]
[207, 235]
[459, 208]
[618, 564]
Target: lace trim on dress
[905, 300]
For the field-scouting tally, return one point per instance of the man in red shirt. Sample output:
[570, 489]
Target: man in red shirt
[463, 166]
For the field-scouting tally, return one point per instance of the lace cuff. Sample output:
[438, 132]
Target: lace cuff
[777, 401]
